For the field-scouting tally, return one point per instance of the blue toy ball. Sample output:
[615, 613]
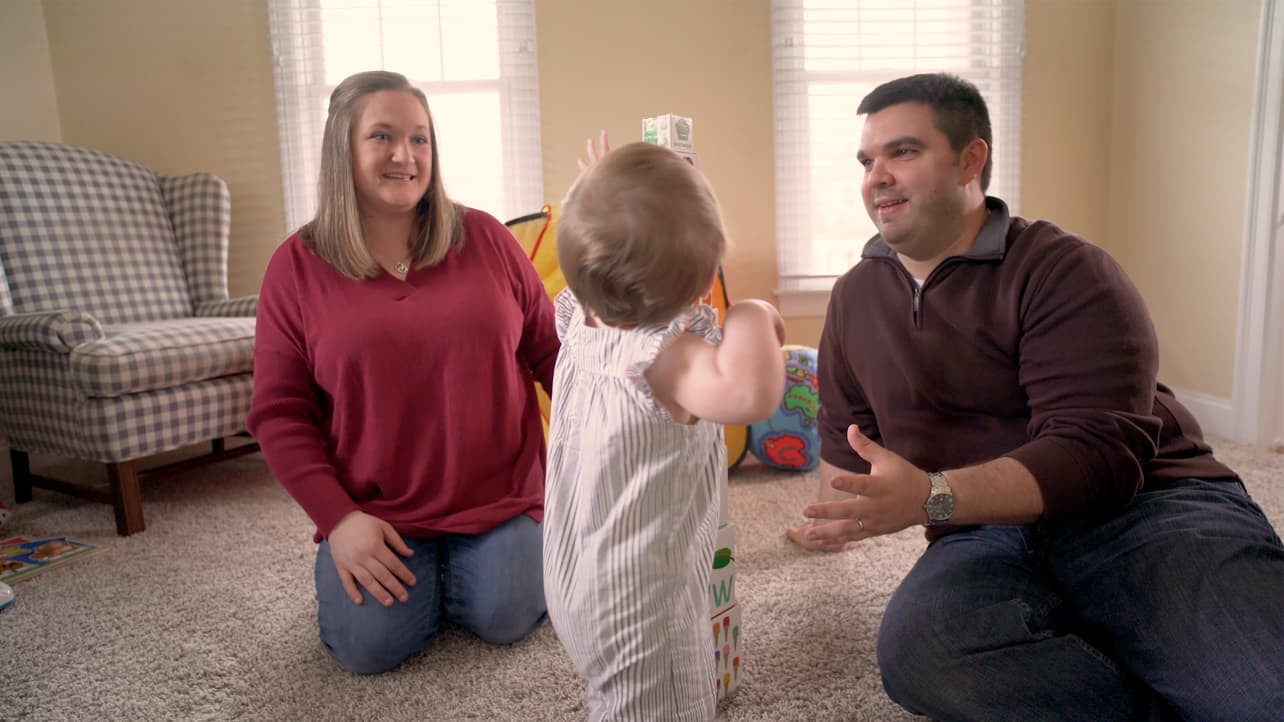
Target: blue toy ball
[790, 439]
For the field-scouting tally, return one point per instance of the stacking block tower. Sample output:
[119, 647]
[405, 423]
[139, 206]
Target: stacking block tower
[677, 133]
[728, 661]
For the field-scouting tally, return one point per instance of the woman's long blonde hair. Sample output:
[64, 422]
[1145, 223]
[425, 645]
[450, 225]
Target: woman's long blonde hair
[335, 234]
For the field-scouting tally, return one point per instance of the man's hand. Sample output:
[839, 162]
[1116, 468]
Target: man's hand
[886, 500]
[824, 492]
[362, 547]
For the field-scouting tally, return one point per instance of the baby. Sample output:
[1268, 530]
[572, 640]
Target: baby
[644, 381]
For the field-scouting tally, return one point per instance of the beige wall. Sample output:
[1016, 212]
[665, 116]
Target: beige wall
[30, 106]
[1065, 108]
[1135, 128]
[181, 86]
[610, 63]
[1182, 104]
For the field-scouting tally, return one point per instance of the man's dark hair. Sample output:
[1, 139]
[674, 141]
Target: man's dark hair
[957, 105]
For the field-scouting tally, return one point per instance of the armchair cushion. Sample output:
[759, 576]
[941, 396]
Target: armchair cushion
[162, 354]
[242, 306]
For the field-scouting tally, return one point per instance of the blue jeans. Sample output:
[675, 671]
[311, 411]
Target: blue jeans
[491, 584]
[1173, 609]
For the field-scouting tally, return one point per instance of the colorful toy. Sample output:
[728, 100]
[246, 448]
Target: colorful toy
[537, 234]
[6, 591]
[790, 439]
[725, 612]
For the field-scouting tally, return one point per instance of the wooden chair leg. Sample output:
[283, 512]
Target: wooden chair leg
[21, 465]
[126, 497]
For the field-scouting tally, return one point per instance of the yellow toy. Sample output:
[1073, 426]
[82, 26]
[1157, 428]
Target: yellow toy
[537, 234]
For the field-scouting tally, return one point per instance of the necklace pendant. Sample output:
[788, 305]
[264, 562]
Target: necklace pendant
[401, 267]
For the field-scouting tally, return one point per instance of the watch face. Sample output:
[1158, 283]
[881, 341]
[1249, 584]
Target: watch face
[940, 507]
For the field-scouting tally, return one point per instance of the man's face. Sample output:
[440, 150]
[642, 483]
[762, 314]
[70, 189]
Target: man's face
[914, 185]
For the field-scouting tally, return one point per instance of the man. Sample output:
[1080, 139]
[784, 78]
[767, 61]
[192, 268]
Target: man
[995, 380]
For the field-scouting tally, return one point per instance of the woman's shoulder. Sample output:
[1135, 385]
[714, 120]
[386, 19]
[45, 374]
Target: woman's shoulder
[293, 245]
[288, 251]
[483, 230]
[294, 258]
[477, 221]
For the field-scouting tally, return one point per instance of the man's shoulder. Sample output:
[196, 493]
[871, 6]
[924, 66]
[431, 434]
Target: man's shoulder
[1044, 242]
[1042, 234]
[863, 271]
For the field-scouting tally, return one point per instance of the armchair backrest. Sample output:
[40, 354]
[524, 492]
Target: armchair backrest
[86, 230]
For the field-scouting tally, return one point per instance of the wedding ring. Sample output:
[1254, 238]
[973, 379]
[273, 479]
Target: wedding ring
[860, 524]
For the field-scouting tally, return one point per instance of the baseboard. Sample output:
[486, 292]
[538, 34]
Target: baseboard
[1214, 413]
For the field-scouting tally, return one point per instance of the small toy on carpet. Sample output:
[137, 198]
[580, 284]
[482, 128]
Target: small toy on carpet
[790, 439]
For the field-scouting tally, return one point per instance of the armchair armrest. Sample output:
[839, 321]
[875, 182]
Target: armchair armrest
[57, 331]
[243, 306]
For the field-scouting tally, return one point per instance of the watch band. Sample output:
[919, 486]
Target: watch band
[940, 500]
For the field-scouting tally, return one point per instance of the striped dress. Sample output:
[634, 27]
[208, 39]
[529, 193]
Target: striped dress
[630, 515]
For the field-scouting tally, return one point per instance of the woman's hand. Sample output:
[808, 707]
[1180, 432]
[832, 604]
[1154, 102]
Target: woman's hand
[594, 153]
[362, 547]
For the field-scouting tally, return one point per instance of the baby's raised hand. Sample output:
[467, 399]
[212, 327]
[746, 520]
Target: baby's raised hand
[594, 153]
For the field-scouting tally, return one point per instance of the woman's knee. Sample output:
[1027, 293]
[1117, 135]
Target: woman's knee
[507, 626]
[369, 638]
[507, 611]
[361, 653]
[495, 582]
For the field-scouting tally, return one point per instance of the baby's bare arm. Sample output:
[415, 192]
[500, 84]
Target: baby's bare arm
[739, 382]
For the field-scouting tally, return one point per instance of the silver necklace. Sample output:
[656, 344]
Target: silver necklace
[401, 267]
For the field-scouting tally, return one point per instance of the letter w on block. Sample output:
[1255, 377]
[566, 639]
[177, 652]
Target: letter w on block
[723, 591]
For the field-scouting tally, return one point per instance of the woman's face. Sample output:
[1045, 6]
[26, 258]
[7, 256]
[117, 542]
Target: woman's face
[391, 153]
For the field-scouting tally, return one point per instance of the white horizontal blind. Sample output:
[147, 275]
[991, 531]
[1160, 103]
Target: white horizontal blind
[474, 59]
[828, 54]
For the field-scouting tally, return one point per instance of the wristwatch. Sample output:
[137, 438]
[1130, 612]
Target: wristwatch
[940, 501]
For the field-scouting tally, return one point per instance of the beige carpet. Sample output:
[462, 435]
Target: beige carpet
[209, 615]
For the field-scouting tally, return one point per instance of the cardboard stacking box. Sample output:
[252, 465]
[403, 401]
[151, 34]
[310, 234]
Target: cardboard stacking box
[725, 618]
[675, 132]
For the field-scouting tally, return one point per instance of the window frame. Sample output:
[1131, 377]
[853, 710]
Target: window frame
[801, 291]
[301, 87]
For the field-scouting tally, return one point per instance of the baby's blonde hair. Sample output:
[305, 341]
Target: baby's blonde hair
[640, 237]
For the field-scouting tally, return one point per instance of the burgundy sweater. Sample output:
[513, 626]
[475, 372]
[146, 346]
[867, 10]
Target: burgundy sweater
[410, 400]
[1033, 345]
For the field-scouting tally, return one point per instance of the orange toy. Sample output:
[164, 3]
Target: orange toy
[537, 234]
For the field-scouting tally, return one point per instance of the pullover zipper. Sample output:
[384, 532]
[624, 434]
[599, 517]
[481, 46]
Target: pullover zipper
[918, 299]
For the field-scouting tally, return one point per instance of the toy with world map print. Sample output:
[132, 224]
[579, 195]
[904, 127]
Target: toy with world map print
[790, 439]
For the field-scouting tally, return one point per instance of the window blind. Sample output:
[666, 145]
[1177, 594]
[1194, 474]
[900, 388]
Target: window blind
[474, 59]
[827, 55]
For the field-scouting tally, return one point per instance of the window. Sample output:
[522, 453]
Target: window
[827, 55]
[474, 59]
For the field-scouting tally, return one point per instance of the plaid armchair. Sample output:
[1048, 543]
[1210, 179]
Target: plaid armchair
[117, 338]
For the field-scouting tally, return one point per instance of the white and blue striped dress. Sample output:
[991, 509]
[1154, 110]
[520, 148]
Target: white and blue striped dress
[630, 515]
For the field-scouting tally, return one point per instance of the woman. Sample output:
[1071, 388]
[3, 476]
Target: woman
[398, 337]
